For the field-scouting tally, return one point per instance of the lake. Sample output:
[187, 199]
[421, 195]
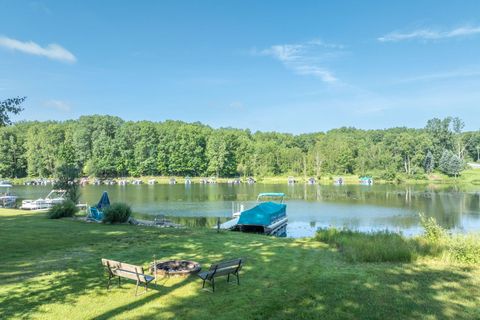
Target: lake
[309, 207]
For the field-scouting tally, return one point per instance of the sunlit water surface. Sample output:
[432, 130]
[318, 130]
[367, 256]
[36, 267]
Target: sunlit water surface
[309, 207]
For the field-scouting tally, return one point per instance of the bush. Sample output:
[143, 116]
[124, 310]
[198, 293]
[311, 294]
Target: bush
[433, 232]
[388, 175]
[455, 248]
[464, 249]
[380, 246]
[117, 213]
[61, 210]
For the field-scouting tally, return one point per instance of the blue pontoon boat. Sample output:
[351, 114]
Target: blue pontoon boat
[266, 217]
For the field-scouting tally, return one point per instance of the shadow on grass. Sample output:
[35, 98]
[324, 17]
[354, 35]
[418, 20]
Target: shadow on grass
[54, 262]
[140, 301]
[295, 291]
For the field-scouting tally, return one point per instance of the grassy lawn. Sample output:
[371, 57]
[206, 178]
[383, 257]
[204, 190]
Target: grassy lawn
[50, 269]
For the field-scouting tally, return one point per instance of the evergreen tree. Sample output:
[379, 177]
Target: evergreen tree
[450, 163]
[429, 162]
[456, 165]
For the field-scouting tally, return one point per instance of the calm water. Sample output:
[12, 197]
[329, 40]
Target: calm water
[308, 207]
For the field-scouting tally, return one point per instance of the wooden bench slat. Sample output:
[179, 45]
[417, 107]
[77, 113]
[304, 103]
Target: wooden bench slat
[131, 268]
[225, 264]
[223, 268]
[125, 274]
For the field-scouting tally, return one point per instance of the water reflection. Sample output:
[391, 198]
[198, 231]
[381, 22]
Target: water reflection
[309, 206]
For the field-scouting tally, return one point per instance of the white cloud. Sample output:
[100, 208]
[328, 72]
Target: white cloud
[41, 7]
[51, 51]
[237, 105]
[59, 105]
[307, 58]
[460, 73]
[429, 34]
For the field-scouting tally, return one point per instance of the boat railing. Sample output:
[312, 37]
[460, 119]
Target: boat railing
[237, 208]
[271, 195]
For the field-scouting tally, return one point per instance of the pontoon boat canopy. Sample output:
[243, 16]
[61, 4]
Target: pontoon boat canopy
[271, 194]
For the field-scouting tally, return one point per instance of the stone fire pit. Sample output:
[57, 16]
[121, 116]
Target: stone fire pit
[182, 268]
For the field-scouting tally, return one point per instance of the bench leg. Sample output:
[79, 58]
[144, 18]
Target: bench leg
[238, 278]
[213, 284]
[228, 277]
[136, 289]
[119, 282]
[108, 283]
[203, 285]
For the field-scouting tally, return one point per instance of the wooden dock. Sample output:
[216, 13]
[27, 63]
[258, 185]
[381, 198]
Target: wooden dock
[230, 224]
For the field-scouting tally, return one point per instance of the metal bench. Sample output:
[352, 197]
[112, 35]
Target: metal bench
[128, 271]
[224, 268]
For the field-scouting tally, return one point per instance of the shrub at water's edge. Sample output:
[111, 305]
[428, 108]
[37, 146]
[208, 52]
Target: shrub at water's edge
[463, 249]
[432, 231]
[61, 210]
[117, 213]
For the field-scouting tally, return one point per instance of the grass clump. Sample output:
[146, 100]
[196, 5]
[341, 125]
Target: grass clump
[454, 248]
[117, 213]
[463, 249]
[380, 246]
[62, 210]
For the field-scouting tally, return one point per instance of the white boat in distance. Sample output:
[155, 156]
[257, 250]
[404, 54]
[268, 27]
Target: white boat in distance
[7, 199]
[54, 197]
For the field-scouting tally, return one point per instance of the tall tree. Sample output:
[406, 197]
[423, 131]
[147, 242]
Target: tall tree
[12, 153]
[8, 107]
[459, 143]
[429, 162]
[441, 135]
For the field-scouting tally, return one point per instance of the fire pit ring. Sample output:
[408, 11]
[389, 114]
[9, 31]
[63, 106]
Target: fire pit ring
[181, 268]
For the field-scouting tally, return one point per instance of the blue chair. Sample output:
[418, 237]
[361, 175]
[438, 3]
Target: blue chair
[95, 214]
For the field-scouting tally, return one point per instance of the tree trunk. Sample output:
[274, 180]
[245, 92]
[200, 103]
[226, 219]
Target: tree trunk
[305, 167]
[318, 164]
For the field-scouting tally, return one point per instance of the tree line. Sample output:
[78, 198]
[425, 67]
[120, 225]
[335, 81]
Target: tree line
[107, 146]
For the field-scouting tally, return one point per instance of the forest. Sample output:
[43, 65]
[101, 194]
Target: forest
[107, 146]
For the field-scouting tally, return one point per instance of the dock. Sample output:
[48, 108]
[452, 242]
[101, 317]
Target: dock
[276, 228]
[230, 224]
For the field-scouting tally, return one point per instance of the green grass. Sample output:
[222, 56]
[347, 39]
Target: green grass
[381, 246]
[50, 269]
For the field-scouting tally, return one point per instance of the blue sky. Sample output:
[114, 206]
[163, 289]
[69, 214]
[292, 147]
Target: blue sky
[265, 65]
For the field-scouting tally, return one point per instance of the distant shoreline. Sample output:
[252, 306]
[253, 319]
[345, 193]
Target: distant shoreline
[471, 176]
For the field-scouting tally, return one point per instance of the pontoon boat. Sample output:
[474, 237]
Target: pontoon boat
[53, 198]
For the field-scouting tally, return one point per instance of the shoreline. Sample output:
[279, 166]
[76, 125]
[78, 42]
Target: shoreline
[471, 177]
